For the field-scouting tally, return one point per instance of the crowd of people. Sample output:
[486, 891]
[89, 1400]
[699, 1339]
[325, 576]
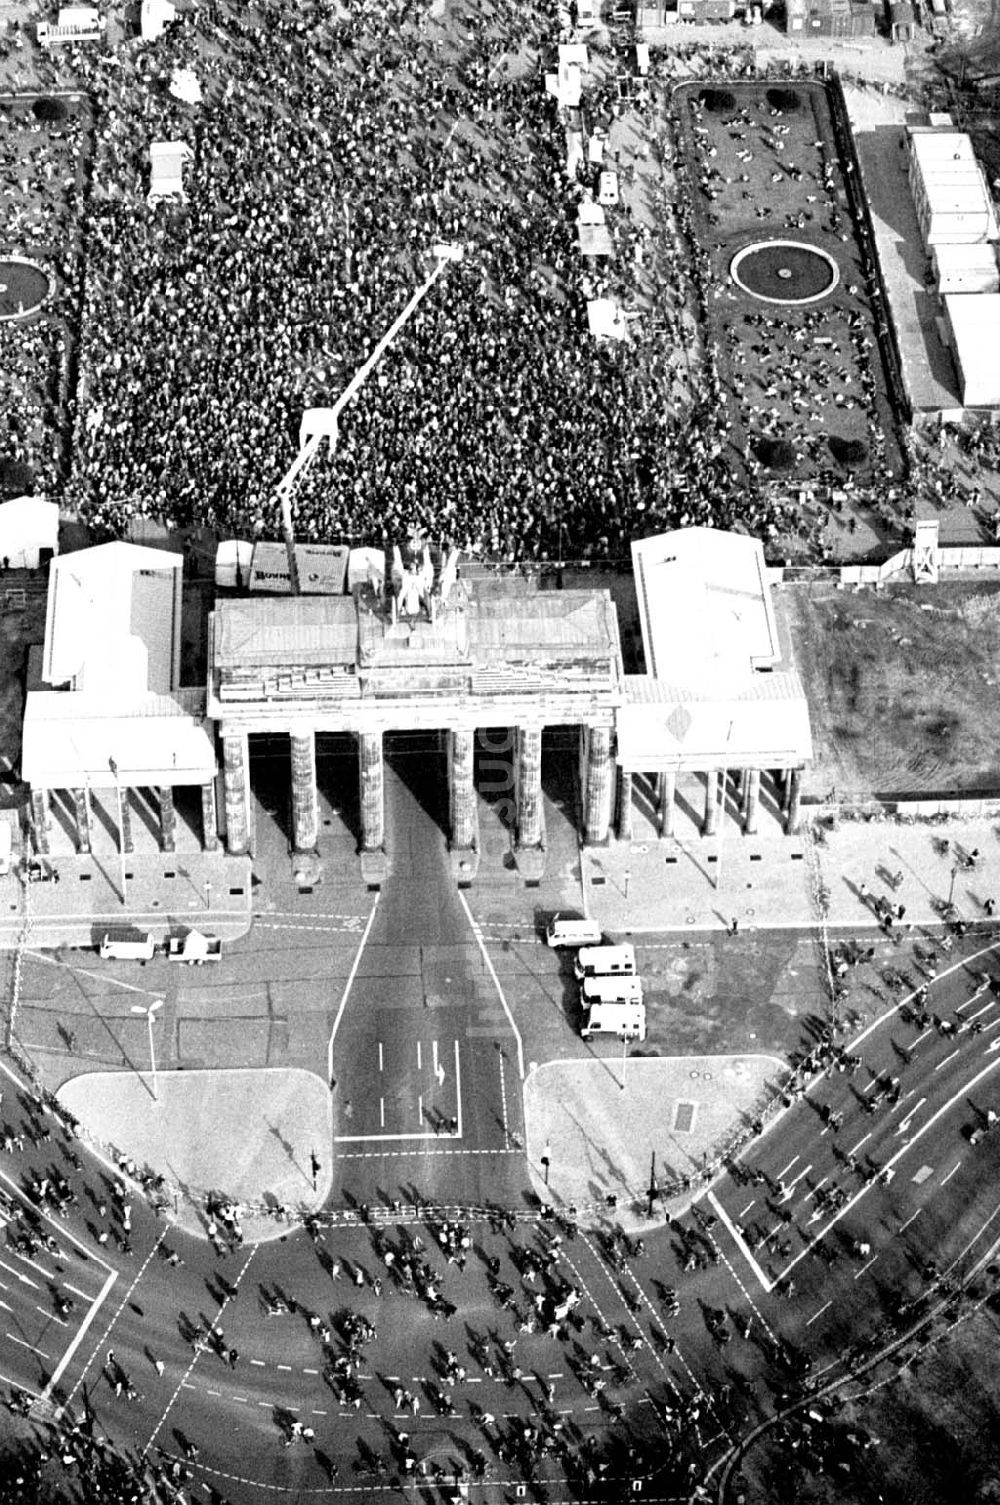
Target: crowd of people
[495, 422]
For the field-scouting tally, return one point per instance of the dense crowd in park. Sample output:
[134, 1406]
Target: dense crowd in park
[495, 422]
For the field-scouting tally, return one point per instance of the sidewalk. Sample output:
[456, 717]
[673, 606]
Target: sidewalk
[167, 893]
[771, 881]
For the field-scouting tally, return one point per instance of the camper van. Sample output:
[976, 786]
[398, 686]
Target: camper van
[610, 990]
[621, 1019]
[562, 932]
[127, 945]
[605, 961]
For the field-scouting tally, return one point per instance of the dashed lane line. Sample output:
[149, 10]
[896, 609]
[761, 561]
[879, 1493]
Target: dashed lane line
[216, 1326]
[395, 1154]
[107, 1331]
[819, 1314]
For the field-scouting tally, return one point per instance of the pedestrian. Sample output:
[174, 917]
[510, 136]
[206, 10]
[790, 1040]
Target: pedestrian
[734, 925]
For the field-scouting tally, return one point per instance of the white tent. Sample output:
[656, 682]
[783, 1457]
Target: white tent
[166, 169]
[184, 86]
[606, 320]
[155, 17]
[233, 561]
[29, 532]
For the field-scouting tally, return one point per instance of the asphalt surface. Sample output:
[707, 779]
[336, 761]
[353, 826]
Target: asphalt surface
[625, 1386]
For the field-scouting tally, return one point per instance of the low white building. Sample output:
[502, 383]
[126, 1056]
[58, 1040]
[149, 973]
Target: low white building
[720, 693]
[950, 193]
[965, 269]
[974, 335]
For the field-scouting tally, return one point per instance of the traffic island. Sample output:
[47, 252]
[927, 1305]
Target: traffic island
[247, 1135]
[601, 1132]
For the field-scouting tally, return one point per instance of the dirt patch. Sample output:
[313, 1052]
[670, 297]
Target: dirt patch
[901, 688]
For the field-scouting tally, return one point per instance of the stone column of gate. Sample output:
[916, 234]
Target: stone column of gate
[529, 786]
[666, 792]
[305, 805]
[463, 789]
[624, 820]
[235, 780]
[794, 794]
[752, 801]
[711, 822]
[372, 790]
[40, 819]
[125, 806]
[81, 810]
[209, 818]
[168, 818]
[597, 786]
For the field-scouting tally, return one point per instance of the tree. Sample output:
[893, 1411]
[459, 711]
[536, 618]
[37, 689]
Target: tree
[49, 110]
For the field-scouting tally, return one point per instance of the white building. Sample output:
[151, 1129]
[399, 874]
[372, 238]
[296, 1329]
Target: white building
[105, 708]
[720, 693]
[974, 335]
[952, 198]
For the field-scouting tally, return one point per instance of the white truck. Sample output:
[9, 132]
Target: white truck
[613, 1006]
[563, 932]
[605, 961]
[194, 948]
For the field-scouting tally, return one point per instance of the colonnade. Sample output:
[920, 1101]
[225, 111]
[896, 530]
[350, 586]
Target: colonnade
[159, 801]
[525, 762]
[744, 784]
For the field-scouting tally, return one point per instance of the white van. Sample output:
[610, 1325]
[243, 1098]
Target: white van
[605, 961]
[628, 1019]
[560, 932]
[127, 945]
[610, 990]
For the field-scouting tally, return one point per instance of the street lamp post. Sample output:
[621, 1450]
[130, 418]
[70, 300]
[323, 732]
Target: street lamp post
[444, 252]
[951, 890]
[547, 1161]
[150, 1014]
[654, 1190]
[208, 893]
[624, 1040]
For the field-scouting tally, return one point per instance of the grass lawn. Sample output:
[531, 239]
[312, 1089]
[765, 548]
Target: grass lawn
[901, 687]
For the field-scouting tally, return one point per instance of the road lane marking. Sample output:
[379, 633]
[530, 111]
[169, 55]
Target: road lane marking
[908, 997]
[782, 1174]
[434, 1054]
[30, 1346]
[856, 1147]
[822, 1309]
[747, 1208]
[287, 1367]
[233, 1291]
[24, 1279]
[496, 982]
[458, 1094]
[858, 1273]
[420, 1056]
[903, 1150]
[946, 1179]
[985, 1009]
[798, 1178]
[381, 1058]
[503, 1103]
[348, 985]
[381, 1111]
[726, 1220]
[258, 1362]
[904, 1123]
[946, 1060]
[910, 1219]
